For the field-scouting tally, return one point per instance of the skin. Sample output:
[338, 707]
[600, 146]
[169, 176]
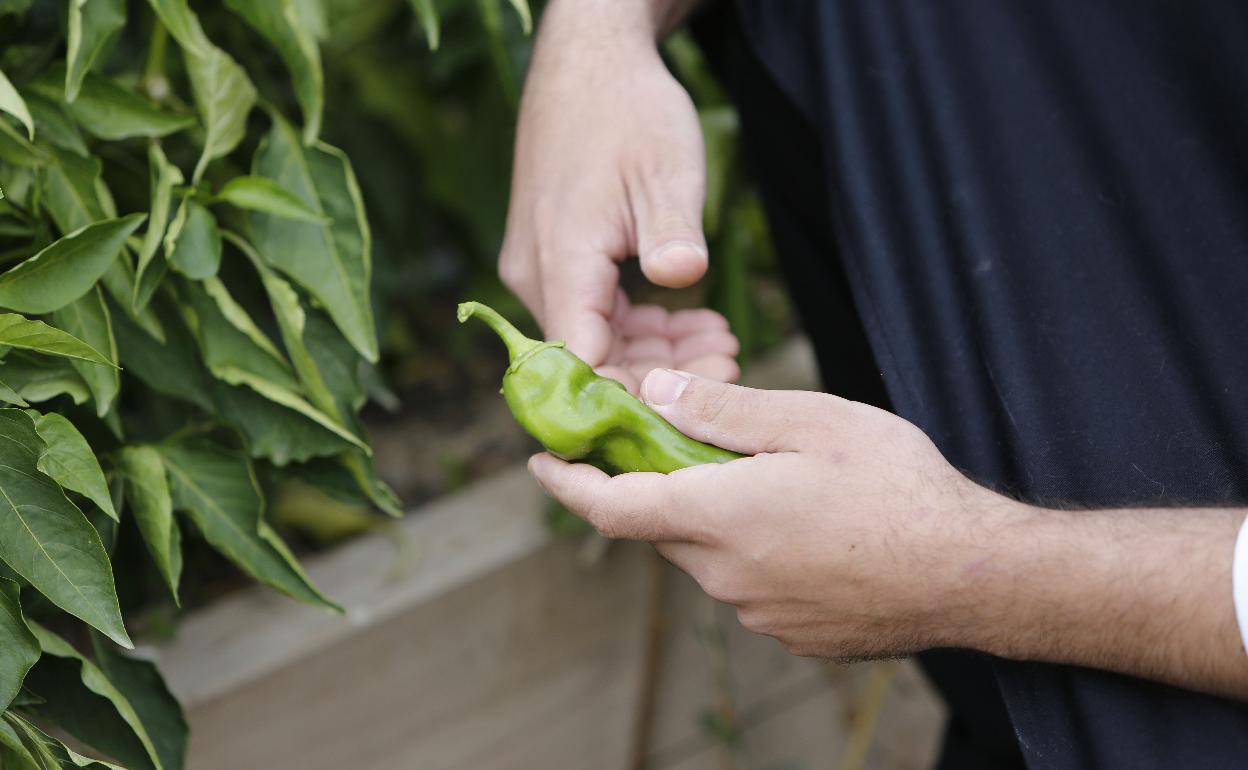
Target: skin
[846, 535]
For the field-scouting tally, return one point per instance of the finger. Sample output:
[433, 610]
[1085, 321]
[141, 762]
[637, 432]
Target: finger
[579, 296]
[668, 214]
[714, 366]
[705, 342]
[518, 270]
[740, 419]
[644, 321]
[631, 506]
[626, 376]
[684, 322]
[648, 349]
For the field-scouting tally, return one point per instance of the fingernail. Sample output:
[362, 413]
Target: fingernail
[671, 246]
[533, 461]
[663, 387]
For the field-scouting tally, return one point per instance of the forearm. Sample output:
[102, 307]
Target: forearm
[603, 21]
[1142, 592]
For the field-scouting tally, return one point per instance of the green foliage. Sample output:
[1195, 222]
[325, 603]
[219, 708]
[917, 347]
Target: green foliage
[186, 299]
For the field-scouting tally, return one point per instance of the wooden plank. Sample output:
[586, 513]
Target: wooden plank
[532, 666]
[256, 630]
[765, 682]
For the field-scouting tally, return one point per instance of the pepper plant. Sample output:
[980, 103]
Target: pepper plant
[185, 318]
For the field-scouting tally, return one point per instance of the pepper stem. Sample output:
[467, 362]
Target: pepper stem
[517, 344]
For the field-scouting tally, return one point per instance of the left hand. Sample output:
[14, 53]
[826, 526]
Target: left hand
[845, 535]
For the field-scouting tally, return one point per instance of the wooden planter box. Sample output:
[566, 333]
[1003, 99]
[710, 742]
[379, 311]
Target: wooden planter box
[474, 640]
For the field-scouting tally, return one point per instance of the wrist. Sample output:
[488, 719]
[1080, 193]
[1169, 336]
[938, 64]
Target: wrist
[971, 604]
[596, 23]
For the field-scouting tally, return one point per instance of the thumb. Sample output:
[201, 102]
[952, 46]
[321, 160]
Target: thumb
[670, 242]
[739, 419]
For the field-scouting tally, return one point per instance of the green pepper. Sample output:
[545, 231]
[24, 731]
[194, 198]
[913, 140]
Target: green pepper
[579, 416]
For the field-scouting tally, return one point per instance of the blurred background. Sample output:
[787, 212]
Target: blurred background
[487, 628]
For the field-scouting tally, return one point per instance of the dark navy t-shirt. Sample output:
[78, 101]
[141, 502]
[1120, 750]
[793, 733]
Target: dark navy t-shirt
[1040, 212]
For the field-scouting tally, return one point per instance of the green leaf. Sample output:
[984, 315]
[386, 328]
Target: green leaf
[148, 492]
[71, 190]
[228, 338]
[331, 260]
[44, 752]
[143, 685]
[238, 353]
[68, 459]
[224, 94]
[362, 471]
[91, 26]
[428, 16]
[67, 269]
[164, 177]
[21, 332]
[77, 711]
[119, 282]
[54, 124]
[19, 649]
[273, 432]
[279, 22]
[291, 320]
[109, 110]
[255, 193]
[13, 103]
[171, 367]
[14, 753]
[196, 246]
[46, 539]
[88, 319]
[291, 400]
[15, 7]
[38, 378]
[183, 24]
[17, 149]
[218, 489]
[10, 396]
[526, 15]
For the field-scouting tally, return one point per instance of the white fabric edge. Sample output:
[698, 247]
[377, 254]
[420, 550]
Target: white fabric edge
[1239, 582]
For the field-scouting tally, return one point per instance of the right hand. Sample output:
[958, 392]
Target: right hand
[609, 164]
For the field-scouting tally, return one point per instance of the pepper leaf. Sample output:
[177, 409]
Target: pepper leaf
[143, 685]
[11, 102]
[330, 259]
[67, 269]
[71, 190]
[68, 459]
[88, 319]
[255, 193]
[109, 110]
[91, 26]
[147, 488]
[279, 22]
[19, 649]
[218, 489]
[87, 704]
[20, 332]
[46, 539]
[196, 246]
[164, 176]
[40, 751]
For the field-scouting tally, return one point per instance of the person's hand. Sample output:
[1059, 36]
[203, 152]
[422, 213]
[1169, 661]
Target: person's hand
[845, 535]
[609, 164]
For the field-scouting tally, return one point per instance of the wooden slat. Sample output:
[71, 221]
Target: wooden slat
[533, 666]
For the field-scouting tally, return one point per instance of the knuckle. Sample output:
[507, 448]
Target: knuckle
[752, 619]
[511, 271]
[713, 404]
[719, 588]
